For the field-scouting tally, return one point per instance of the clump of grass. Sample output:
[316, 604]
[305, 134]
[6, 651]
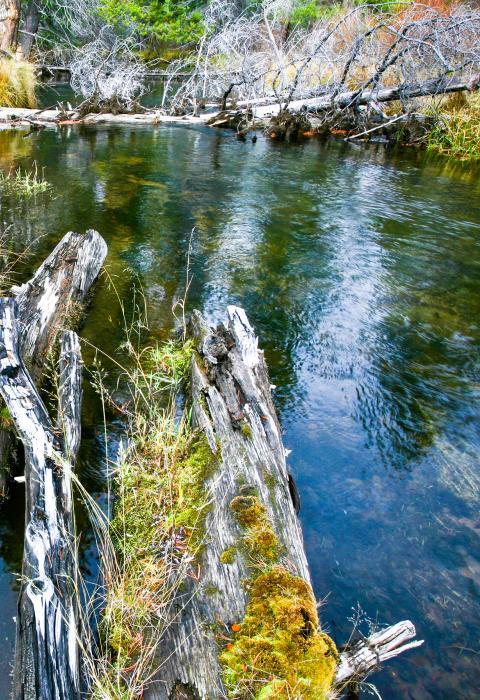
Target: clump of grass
[17, 83]
[457, 131]
[26, 183]
[152, 544]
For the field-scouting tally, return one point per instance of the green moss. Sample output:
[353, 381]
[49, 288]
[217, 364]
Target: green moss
[246, 429]
[259, 539]
[6, 422]
[279, 651]
[270, 479]
[211, 590]
[228, 555]
[192, 503]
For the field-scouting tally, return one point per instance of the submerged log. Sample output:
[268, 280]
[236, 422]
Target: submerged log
[252, 564]
[47, 300]
[46, 656]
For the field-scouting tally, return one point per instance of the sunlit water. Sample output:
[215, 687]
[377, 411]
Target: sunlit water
[360, 270]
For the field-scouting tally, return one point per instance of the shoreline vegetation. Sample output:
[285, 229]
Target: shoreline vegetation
[384, 72]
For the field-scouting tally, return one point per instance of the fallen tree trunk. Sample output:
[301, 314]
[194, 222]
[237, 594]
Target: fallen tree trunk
[355, 97]
[46, 302]
[248, 621]
[46, 656]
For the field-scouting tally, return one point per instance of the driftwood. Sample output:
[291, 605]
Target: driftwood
[189, 652]
[45, 302]
[232, 404]
[46, 657]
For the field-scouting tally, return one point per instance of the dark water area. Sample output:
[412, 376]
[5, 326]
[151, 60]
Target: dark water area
[360, 270]
[48, 95]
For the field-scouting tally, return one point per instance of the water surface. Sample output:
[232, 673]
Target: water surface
[360, 269]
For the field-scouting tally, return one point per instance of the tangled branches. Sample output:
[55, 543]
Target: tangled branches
[104, 64]
[108, 75]
[259, 58]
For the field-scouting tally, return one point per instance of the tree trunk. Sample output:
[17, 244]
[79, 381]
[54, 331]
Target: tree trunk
[47, 300]
[47, 655]
[9, 18]
[29, 30]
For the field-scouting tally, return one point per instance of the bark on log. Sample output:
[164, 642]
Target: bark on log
[28, 32]
[46, 300]
[46, 657]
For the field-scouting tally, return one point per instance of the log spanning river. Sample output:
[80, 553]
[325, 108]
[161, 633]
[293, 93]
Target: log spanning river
[360, 270]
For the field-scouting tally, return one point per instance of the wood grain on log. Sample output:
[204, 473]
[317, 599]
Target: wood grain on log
[46, 657]
[45, 302]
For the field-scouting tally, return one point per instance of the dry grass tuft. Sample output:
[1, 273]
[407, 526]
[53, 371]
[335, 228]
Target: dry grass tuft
[17, 83]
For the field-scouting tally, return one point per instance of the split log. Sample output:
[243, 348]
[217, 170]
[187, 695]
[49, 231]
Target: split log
[232, 404]
[45, 302]
[46, 656]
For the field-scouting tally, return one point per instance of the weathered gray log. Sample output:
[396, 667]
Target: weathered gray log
[47, 299]
[345, 99]
[366, 655]
[45, 302]
[232, 404]
[262, 109]
[46, 656]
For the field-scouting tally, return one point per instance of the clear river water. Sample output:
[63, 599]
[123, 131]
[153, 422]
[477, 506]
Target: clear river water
[360, 270]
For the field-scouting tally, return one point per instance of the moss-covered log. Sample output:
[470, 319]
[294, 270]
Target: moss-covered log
[248, 627]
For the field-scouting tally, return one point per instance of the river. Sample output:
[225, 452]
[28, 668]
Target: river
[360, 270]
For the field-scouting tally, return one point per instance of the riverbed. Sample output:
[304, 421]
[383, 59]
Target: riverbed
[360, 269]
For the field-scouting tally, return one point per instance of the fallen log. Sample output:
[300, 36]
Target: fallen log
[247, 622]
[45, 303]
[46, 655]
[262, 109]
[364, 97]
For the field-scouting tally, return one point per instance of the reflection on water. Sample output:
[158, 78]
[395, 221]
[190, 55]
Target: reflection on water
[360, 270]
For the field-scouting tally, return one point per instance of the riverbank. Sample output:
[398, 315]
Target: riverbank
[448, 124]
